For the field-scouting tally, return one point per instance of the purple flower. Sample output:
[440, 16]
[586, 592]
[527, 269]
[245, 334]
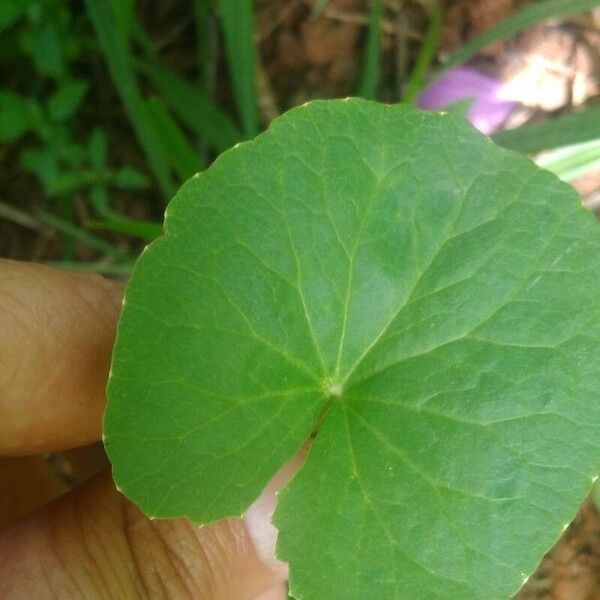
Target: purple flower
[490, 105]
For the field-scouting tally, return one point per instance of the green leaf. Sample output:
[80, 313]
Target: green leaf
[460, 108]
[193, 107]
[18, 115]
[529, 16]
[206, 44]
[369, 83]
[182, 157]
[571, 162]
[69, 151]
[98, 148]
[427, 52]
[43, 163]
[98, 198]
[124, 11]
[45, 47]
[11, 11]
[237, 18]
[115, 45]
[67, 100]
[130, 178]
[573, 128]
[65, 183]
[419, 300]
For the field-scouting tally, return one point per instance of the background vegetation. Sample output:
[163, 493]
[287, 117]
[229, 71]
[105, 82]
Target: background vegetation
[106, 107]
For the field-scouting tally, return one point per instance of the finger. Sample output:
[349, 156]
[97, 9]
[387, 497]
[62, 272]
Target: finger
[30, 482]
[278, 592]
[93, 543]
[27, 482]
[56, 333]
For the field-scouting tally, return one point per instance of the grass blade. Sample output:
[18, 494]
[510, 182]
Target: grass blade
[193, 107]
[370, 77]
[115, 46]
[237, 19]
[124, 11]
[205, 43]
[573, 128]
[572, 162]
[182, 157]
[527, 17]
[427, 53]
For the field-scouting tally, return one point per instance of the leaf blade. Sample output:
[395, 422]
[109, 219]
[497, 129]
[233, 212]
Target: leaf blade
[370, 76]
[237, 18]
[436, 330]
[193, 108]
[184, 160]
[114, 44]
[564, 130]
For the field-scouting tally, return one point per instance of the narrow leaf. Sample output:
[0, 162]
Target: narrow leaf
[572, 162]
[426, 55]
[554, 132]
[11, 11]
[98, 148]
[370, 76]
[129, 178]
[114, 44]
[182, 157]
[194, 109]
[18, 115]
[67, 100]
[237, 18]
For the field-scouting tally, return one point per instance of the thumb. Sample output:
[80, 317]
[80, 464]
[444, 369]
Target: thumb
[56, 333]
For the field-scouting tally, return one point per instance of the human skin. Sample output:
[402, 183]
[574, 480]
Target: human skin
[56, 333]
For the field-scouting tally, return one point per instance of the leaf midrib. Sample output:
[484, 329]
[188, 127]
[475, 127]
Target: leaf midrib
[445, 239]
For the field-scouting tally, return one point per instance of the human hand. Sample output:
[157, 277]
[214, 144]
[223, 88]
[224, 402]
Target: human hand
[56, 335]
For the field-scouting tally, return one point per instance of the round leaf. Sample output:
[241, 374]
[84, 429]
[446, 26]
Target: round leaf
[422, 302]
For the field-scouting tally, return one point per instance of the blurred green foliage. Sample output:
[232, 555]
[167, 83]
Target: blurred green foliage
[42, 43]
[55, 56]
